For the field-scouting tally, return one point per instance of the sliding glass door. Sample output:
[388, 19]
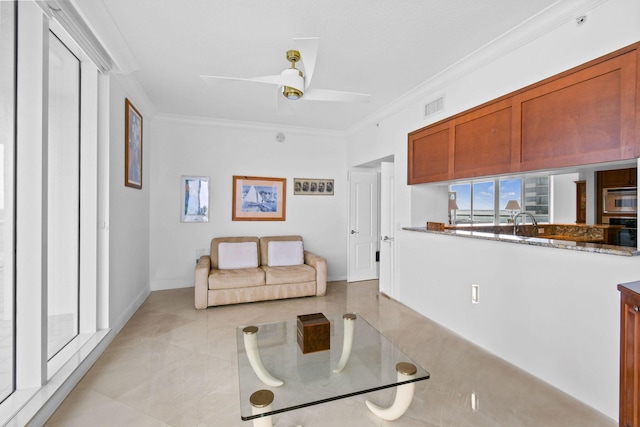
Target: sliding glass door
[63, 196]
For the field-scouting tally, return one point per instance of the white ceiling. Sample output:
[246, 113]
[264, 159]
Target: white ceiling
[381, 47]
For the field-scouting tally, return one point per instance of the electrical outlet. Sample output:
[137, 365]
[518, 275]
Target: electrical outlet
[540, 230]
[475, 294]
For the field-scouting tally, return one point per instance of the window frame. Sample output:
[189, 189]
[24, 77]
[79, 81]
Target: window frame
[496, 198]
[36, 379]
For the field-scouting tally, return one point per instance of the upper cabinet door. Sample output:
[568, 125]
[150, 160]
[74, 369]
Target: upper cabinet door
[429, 154]
[583, 118]
[483, 141]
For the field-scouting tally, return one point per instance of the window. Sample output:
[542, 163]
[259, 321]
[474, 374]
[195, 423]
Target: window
[63, 196]
[478, 202]
[462, 214]
[536, 197]
[49, 155]
[510, 190]
[483, 205]
[475, 202]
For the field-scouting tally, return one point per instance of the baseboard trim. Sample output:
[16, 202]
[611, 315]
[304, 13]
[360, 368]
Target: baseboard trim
[35, 412]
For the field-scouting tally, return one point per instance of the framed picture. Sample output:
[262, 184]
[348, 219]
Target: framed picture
[195, 199]
[314, 187]
[258, 199]
[132, 146]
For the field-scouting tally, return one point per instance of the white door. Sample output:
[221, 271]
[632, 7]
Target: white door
[363, 226]
[387, 234]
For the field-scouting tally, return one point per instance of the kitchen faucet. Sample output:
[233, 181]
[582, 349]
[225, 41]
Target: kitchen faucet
[525, 214]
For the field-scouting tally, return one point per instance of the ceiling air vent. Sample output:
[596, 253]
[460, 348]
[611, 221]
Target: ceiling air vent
[434, 106]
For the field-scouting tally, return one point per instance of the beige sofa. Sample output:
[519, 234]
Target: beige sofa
[247, 269]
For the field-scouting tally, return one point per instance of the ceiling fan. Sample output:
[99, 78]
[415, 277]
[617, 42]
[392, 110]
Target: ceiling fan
[292, 83]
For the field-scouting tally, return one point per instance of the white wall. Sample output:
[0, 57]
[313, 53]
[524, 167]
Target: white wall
[128, 217]
[552, 312]
[563, 198]
[568, 325]
[220, 151]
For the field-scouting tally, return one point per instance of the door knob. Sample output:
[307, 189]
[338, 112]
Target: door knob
[354, 232]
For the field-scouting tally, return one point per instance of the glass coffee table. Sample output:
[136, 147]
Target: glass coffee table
[275, 376]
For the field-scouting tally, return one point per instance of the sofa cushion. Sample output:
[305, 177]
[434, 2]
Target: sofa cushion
[285, 253]
[237, 255]
[215, 242]
[238, 278]
[290, 274]
[264, 245]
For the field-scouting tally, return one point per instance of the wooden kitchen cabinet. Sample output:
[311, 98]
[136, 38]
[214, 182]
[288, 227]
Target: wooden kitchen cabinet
[587, 115]
[582, 118]
[618, 177]
[429, 155]
[478, 143]
[581, 202]
[629, 354]
[483, 141]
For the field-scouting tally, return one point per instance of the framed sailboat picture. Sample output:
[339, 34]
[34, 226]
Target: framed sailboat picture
[258, 199]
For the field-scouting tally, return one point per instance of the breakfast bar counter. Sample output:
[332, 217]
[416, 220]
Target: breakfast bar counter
[578, 243]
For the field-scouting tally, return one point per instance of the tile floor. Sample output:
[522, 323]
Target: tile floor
[174, 366]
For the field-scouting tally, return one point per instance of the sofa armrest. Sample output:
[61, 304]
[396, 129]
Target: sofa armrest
[320, 265]
[202, 281]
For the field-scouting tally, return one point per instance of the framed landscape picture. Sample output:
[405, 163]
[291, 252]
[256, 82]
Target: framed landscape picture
[313, 187]
[132, 146]
[195, 199]
[258, 198]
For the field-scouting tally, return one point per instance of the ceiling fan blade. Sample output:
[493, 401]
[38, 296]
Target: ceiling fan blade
[308, 48]
[275, 80]
[335, 95]
[283, 106]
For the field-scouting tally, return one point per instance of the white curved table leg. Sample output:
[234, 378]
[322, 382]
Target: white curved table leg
[404, 394]
[260, 403]
[349, 324]
[251, 345]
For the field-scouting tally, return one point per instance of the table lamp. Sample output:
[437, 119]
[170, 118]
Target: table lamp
[512, 207]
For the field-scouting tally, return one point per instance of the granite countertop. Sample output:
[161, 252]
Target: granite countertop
[582, 246]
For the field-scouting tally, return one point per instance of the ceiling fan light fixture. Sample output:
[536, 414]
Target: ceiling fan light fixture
[291, 93]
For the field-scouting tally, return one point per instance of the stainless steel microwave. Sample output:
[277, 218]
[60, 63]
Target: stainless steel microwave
[620, 200]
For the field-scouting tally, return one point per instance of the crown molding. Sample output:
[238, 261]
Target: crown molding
[553, 17]
[242, 125]
[97, 18]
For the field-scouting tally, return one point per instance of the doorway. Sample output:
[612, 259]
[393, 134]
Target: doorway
[371, 238]
[363, 226]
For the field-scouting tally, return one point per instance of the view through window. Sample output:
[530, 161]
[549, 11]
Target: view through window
[480, 203]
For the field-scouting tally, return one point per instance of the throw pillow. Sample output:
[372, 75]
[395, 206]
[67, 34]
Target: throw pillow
[284, 253]
[233, 255]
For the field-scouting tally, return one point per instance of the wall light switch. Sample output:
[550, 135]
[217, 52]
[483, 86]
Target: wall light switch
[475, 294]
[475, 402]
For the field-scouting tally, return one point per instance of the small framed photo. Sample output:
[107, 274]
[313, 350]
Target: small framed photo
[132, 146]
[195, 199]
[313, 187]
[258, 198]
